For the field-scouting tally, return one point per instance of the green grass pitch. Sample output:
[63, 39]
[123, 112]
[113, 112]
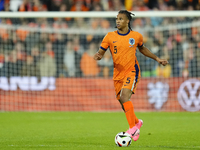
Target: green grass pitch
[96, 131]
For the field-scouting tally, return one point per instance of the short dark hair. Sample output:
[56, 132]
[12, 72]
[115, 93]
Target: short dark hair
[129, 16]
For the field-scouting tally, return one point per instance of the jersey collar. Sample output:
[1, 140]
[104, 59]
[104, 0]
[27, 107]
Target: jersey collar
[125, 33]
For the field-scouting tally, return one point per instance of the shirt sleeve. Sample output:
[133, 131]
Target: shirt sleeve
[140, 40]
[105, 43]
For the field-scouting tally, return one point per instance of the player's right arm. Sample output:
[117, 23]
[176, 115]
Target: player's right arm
[99, 54]
[104, 45]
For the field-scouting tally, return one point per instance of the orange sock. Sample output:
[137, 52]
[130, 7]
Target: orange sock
[130, 115]
[136, 120]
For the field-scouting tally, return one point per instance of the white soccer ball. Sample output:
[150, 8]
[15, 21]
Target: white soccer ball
[123, 139]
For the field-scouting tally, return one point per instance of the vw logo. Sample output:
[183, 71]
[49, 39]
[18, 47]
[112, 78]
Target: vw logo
[189, 95]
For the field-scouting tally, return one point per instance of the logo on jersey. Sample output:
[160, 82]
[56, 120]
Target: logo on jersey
[131, 42]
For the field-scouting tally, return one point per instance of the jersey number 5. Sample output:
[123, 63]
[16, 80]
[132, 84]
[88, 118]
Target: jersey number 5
[115, 49]
[128, 80]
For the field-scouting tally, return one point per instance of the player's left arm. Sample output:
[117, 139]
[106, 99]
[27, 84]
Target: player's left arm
[146, 52]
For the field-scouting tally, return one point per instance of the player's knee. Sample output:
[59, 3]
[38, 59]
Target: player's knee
[124, 98]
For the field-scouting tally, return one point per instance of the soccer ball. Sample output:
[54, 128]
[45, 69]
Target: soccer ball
[123, 139]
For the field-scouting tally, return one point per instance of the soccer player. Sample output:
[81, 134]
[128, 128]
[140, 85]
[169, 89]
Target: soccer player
[123, 43]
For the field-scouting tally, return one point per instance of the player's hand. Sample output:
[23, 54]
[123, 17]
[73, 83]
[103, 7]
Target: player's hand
[98, 56]
[163, 62]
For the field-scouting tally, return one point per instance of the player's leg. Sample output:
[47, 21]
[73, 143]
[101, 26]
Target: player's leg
[127, 105]
[130, 85]
[125, 95]
[138, 122]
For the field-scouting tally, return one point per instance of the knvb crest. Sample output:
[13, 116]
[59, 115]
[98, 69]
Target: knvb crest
[131, 42]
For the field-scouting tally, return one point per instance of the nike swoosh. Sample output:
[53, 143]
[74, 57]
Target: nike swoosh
[134, 132]
[114, 41]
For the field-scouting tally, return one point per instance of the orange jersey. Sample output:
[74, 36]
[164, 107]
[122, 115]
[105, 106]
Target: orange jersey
[123, 50]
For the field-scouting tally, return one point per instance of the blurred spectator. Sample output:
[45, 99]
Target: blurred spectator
[58, 47]
[140, 6]
[194, 64]
[89, 66]
[176, 59]
[185, 47]
[105, 4]
[14, 66]
[78, 47]
[197, 7]
[31, 40]
[162, 5]
[29, 68]
[25, 6]
[95, 23]
[70, 57]
[181, 4]
[43, 23]
[190, 7]
[1, 61]
[21, 32]
[116, 5]
[6, 42]
[105, 24]
[47, 62]
[79, 6]
[189, 56]
[38, 6]
[156, 21]
[79, 50]
[79, 23]
[97, 7]
[162, 71]
[137, 23]
[63, 7]
[4, 71]
[35, 53]
[20, 51]
[89, 3]
[44, 38]
[6, 6]
[171, 8]
[55, 5]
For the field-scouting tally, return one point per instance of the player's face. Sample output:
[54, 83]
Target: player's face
[121, 21]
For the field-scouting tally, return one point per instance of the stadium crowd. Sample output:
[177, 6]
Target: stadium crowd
[24, 52]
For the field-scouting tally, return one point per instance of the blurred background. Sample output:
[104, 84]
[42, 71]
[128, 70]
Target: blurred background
[47, 63]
